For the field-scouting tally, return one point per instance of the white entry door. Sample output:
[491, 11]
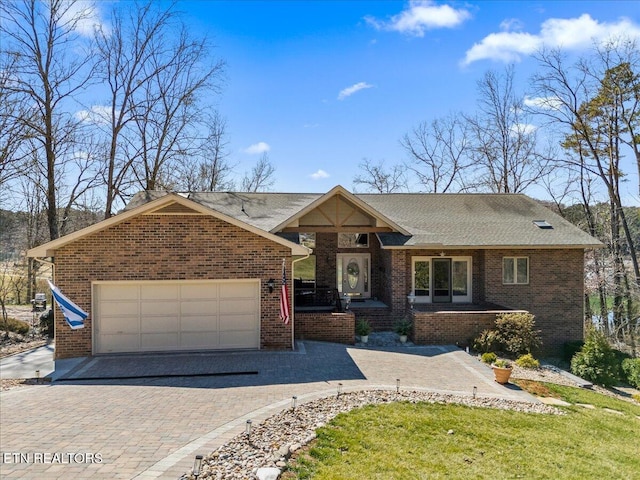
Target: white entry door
[354, 274]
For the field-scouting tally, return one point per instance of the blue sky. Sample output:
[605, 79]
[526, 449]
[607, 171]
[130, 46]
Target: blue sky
[322, 85]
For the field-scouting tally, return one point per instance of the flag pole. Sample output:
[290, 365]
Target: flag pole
[293, 309]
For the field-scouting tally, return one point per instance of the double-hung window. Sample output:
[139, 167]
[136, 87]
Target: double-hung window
[515, 270]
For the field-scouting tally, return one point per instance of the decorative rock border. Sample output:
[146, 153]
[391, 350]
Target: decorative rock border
[263, 453]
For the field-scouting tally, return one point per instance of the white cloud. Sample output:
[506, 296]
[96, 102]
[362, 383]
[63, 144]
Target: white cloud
[83, 16]
[319, 175]
[543, 103]
[572, 34]
[347, 92]
[421, 16]
[257, 148]
[522, 129]
[511, 24]
[98, 114]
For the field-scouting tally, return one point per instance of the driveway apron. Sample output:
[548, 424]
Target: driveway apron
[147, 416]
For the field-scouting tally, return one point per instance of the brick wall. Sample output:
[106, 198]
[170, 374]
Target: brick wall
[325, 252]
[380, 319]
[325, 326]
[399, 280]
[449, 328]
[555, 292]
[169, 247]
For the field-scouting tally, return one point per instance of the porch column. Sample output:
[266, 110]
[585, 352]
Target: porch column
[400, 272]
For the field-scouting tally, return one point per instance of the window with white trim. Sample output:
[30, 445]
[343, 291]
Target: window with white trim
[515, 270]
[458, 277]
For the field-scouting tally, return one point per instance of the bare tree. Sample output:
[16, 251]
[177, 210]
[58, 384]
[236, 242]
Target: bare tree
[503, 141]
[158, 76]
[43, 38]
[591, 103]
[261, 177]
[377, 178]
[439, 153]
[12, 128]
[208, 169]
[170, 106]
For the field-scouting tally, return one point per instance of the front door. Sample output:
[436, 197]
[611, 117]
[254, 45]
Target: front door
[354, 273]
[441, 280]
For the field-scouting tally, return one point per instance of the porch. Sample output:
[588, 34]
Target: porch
[329, 323]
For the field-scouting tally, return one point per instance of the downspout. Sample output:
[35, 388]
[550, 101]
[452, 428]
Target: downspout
[293, 315]
[47, 262]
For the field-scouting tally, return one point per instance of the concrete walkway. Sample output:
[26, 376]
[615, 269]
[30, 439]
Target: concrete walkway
[139, 424]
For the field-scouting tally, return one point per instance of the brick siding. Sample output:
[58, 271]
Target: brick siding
[380, 319]
[450, 327]
[555, 293]
[169, 247]
[325, 326]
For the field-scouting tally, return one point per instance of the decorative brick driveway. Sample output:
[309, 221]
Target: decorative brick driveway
[153, 427]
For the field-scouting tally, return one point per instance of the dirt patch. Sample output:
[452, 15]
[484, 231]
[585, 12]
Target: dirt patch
[536, 388]
[9, 383]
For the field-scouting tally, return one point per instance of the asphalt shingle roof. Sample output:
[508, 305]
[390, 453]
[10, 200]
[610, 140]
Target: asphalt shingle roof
[451, 220]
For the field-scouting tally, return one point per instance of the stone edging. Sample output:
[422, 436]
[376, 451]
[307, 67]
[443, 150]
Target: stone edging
[264, 452]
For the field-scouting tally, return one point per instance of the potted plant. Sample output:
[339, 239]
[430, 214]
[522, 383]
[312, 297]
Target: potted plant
[403, 329]
[363, 329]
[502, 370]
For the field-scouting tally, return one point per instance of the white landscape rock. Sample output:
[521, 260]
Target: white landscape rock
[268, 473]
[273, 440]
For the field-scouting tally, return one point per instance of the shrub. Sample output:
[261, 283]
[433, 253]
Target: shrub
[631, 369]
[363, 328]
[486, 341]
[46, 323]
[596, 361]
[569, 349]
[527, 361]
[502, 364]
[516, 333]
[488, 357]
[16, 326]
[403, 327]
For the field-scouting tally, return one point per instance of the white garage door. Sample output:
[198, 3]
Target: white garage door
[170, 316]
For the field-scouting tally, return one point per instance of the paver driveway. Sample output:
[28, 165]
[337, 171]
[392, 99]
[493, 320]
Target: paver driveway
[152, 427]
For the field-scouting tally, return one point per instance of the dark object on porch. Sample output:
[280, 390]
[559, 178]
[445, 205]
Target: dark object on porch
[307, 294]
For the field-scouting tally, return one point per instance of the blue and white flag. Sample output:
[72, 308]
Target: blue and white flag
[73, 314]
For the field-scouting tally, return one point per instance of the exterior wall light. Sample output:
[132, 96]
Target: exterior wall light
[347, 301]
[271, 283]
[412, 300]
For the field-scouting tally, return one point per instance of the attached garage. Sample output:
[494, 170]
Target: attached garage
[176, 315]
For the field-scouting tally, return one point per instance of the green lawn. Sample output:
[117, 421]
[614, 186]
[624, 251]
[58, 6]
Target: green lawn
[411, 441]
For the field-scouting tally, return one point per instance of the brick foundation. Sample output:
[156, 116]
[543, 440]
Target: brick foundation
[326, 326]
[450, 327]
